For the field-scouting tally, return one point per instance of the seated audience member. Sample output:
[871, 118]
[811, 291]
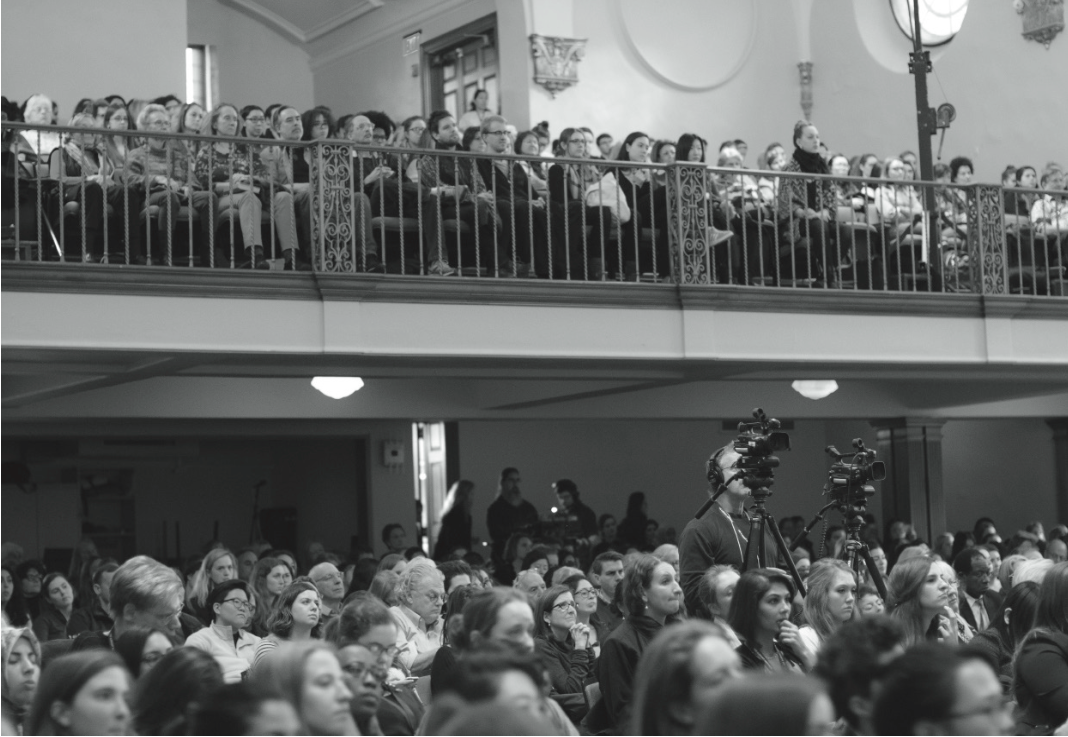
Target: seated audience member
[295, 616]
[28, 577]
[420, 594]
[15, 609]
[95, 616]
[218, 567]
[897, 205]
[806, 207]
[1012, 621]
[803, 562]
[531, 585]
[455, 532]
[225, 639]
[525, 224]
[255, 122]
[394, 562]
[367, 624]
[1049, 214]
[669, 554]
[585, 606]
[21, 673]
[237, 708]
[830, 602]
[564, 647]
[526, 144]
[537, 560]
[850, 662]
[768, 704]
[384, 586]
[716, 591]
[35, 146]
[651, 597]
[291, 169]
[270, 577]
[937, 689]
[448, 654]
[608, 531]
[604, 144]
[161, 166]
[1057, 550]
[759, 614]
[965, 632]
[142, 648]
[189, 120]
[869, 602]
[980, 604]
[165, 698]
[684, 666]
[365, 679]
[606, 574]
[57, 605]
[117, 147]
[144, 593]
[331, 584]
[243, 183]
[308, 675]
[246, 561]
[919, 599]
[456, 574]
[1041, 668]
[516, 549]
[81, 693]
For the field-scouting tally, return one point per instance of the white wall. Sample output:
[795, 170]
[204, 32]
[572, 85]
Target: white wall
[70, 49]
[256, 64]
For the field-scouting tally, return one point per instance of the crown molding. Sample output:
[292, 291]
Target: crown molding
[294, 32]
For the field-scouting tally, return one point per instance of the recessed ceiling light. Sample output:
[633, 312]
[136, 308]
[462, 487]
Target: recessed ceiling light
[337, 387]
[815, 389]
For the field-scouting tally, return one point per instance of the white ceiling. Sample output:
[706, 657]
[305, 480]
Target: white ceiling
[305, 21]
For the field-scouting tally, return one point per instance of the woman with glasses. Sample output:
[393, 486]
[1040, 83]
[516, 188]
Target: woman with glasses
[585, 607]
[256, 123]
[225, 639]
[117, 147]
[296, 615]
[564, 646]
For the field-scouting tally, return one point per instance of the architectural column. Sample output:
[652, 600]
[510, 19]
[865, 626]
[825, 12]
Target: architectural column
[911, 448]
[1060, 460]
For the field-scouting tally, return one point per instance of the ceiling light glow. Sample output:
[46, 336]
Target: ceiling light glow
[815, 389]
[338, 387]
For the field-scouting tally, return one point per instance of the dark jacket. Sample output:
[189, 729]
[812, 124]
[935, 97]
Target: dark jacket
[617, 665]
[606, 619]
[51, 625]
[503, 519]
[513, 188]
[442, 669]
[91, 618]
[1041, 682]
[455, 533]
[569, 669]
[991, 602]
[991, 642]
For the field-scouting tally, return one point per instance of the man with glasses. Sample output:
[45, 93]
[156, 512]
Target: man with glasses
[525, 225]
[226, 640]
[420, 596]
[979, 605]
[161, 167]
[331, 584]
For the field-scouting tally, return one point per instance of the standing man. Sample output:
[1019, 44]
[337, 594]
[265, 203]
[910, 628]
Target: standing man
[978, 604]
[579, 520]
[721, 534]
[509, 512]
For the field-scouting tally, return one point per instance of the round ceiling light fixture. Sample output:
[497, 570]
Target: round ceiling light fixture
[815, 389]
[338, 387]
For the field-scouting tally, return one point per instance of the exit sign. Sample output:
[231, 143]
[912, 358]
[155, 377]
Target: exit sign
[411, 43]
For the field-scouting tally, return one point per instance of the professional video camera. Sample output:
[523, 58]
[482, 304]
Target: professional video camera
[849, 482]
[756, 442]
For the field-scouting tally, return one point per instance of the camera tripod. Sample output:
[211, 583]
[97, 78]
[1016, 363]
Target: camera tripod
[855, 551]
[759, 519]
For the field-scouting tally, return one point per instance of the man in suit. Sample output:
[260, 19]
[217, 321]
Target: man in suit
[978, 604]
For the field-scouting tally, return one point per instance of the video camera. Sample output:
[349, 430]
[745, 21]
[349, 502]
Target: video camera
[755, 444]
[849, 481]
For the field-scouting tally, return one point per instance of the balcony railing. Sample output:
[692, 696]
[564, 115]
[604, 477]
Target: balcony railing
[124, 198]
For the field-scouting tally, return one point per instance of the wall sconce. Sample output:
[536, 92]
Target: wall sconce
[1042, 19]
[556, 61]
[804, 69]
[817, 389]
[338, 387]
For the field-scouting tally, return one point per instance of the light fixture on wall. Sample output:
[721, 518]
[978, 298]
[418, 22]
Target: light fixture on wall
[337, 387]
[815, 388]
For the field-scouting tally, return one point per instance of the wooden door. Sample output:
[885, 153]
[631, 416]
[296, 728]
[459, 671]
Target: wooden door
[459, 64]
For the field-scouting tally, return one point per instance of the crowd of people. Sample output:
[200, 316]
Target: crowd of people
[536, 216]
[572, 624]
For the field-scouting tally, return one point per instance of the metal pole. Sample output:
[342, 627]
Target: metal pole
[926, 125]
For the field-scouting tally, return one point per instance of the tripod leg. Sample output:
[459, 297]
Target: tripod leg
[789, 559]
[876, 578]
[754, 526]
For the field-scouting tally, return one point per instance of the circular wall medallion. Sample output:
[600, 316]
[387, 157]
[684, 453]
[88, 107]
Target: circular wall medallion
[692, 45]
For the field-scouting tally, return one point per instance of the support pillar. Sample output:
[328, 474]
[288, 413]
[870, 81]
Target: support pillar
[1060, 460]
[911, 448]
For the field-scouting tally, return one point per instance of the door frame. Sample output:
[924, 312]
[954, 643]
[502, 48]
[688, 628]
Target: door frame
[486, 25]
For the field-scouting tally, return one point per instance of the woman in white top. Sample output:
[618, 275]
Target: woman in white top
[831, 600]
[479, 110]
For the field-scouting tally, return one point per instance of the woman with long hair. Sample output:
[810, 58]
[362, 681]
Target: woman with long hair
[270, 577]
[1015, 618]
[651, 598]
[142, 648]
[82, 693]
[1041, 680]
[117, 147]
[14, 605]
[634, 184]
[682, 668]
[308, 675]
[830, 602]
[218, 566]
[166, 696]
[777, 704]
[807, 207]
[516, 549]
[455, 531]
[760, 616]
[22, 670]
[918, 597]
[296, 615]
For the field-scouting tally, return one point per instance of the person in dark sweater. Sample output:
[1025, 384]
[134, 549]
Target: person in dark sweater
[563, 643]
[509, 513]
[606, 573]
[1007, 630]
[579, 520]
[720, 535]
[1041, 682]
[95, 615]
[652, 597]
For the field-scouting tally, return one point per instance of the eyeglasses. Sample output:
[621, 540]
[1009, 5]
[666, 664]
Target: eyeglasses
[328, 577]
[35, 577]
[255, 119]
[498, 133]
[577, 141]
[563, 606]
[239, 603]
[381, 652]
[417, 129]
[990, 710]
[359, 670]
[434, 596]
[586, 593]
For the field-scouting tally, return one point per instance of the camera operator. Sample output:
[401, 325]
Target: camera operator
[509, 513]
[580, 522]
[719, 537]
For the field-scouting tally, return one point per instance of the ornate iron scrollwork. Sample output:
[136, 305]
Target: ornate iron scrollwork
[333, 236]
[688, 205]
[1042, 19]
[986, 221]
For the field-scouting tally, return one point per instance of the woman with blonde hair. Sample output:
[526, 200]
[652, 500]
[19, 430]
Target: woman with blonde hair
[308, 675]
[918, 597]
[831, 600]
[218, 566]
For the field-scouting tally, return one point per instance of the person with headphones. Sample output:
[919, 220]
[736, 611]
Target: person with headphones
[509, 513]
[720, 534]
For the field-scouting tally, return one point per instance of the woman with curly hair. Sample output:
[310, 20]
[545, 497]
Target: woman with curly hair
[296, 615]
